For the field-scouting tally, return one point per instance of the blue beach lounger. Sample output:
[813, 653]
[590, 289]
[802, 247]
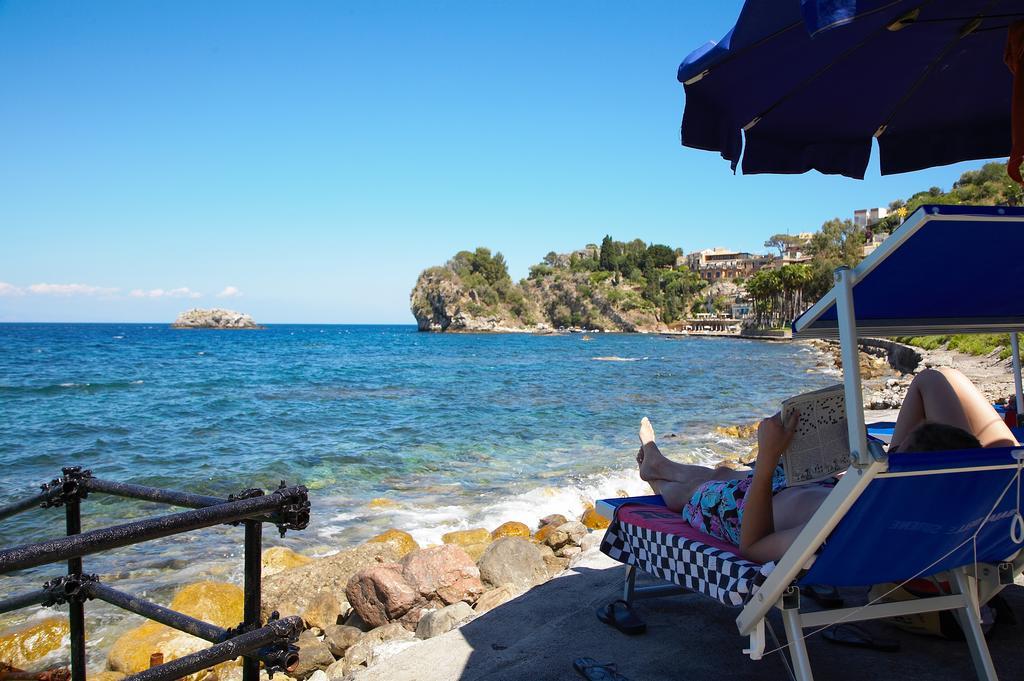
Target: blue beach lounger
[891, 518]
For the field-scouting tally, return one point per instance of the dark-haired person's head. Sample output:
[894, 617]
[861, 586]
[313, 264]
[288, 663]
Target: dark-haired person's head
[938, 437]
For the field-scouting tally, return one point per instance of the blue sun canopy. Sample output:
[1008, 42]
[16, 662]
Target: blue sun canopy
[947, 269]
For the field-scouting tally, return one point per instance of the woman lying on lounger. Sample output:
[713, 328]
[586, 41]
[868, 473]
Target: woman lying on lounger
[755, 510]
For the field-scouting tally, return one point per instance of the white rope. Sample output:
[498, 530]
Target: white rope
[972, 539]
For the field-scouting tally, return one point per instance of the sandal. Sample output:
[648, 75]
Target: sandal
[858, 637]
[592, 670]
[620, 615]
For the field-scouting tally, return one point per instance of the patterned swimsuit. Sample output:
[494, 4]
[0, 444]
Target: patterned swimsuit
[716, 507]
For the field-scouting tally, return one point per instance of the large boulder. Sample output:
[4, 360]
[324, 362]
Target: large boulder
[511, 529]
[403, 540]
[437, 622]
[444, 573]
[427, 578]
[290, 592]
[381, 594]
[214, 602]
[31, 643]
[512, 560]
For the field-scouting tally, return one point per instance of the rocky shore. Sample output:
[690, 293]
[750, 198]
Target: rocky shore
[215, 318]
[359, 605]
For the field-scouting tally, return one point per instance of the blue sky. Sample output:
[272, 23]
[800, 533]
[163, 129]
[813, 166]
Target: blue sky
[304, 161]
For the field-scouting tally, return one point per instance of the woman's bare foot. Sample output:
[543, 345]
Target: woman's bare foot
[646, 431]
[649, 459]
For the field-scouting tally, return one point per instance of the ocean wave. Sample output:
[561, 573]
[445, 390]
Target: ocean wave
[67, 386]
[614, 358]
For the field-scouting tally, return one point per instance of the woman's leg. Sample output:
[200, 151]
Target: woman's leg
[947, 396]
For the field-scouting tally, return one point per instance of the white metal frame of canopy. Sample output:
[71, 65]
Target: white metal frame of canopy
[841, 295]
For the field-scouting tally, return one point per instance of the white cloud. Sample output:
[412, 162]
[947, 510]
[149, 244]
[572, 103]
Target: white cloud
[182, 292]
[229, 292]
[10, 289]
[70, 290]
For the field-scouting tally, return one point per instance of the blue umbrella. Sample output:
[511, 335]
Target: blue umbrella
[796, 86]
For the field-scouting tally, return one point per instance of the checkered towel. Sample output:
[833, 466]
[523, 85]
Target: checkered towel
[661, 543]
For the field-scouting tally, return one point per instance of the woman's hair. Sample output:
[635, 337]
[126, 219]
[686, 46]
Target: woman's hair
[938, 437]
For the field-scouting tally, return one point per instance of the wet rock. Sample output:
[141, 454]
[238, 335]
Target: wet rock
[515, 561]
[740, 432]
[340, 638]
[467, 537]
[593, 520]
[495, 597]
[511, 529]
[403, 541]
[278, 559]
[437, 622]
[31, 643]
[555, 519]
[544, 532]
[214, 602]
[290, 592]
[444, 573]
[314, 655]
[323, 611]
[381, 594]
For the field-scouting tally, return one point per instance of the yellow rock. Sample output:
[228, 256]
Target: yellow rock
[592, 519]
[278, 559]
[466, 538]
[381, 502]
[213, 602]
[543, 533]
[474, 551]
[741, 432]
[404, 540]
[511, 529]
[25, 646]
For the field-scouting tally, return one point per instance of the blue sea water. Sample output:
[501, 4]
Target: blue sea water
[451, 430]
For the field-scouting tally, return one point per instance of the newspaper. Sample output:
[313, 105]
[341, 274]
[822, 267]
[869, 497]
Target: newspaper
[820, 448]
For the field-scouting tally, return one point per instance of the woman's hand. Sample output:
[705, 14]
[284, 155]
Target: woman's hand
[773, 436]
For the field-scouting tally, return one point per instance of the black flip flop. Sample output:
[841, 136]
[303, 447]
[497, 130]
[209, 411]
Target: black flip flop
[592, 670]
[621, 616]
[826, 596]
[857, 637]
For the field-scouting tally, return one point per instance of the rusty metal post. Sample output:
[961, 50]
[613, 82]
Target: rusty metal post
[76, 606]
[253, 589]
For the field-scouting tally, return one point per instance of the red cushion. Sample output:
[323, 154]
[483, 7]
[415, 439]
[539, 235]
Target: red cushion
[660, 519]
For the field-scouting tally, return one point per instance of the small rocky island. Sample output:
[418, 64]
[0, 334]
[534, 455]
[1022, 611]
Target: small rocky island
[216, 318]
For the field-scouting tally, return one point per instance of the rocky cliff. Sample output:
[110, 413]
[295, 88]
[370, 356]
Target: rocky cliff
[215, 318]
[472, 293]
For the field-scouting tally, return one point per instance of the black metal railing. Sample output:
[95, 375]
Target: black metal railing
[269, 643]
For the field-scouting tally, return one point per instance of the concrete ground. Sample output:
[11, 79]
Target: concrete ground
[536, 637]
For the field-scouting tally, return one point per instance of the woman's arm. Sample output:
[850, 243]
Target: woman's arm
[758, 539]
